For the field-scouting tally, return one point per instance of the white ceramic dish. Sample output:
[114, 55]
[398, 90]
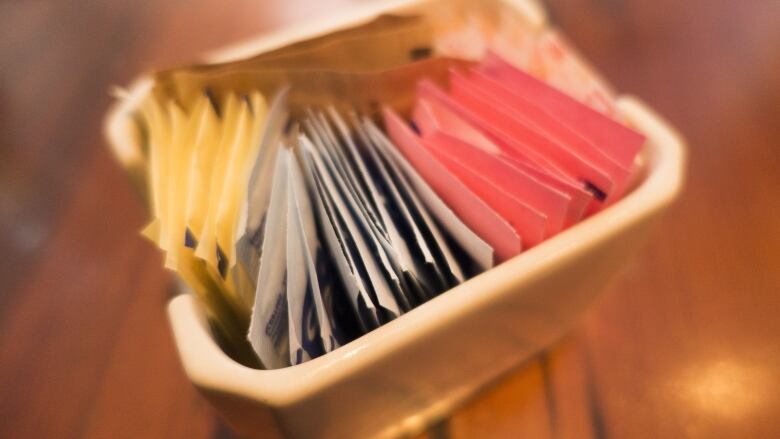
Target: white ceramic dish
[402, 376]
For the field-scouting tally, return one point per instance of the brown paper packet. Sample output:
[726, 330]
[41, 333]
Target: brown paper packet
[375, 30]
[363, 91]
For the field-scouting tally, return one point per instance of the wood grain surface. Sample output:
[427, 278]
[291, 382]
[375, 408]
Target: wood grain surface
[686, 343]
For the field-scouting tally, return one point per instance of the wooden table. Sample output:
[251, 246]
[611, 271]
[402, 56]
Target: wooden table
[686, 344]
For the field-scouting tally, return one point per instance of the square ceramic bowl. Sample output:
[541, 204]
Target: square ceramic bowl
[404, 375]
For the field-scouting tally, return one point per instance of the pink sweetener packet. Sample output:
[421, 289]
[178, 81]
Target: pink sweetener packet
[618, 140]
[426, 89]
[511, 146]
[445, 131]
[527, 221]
[580, 198]
[498, 114]
[474, 212]
[619, 172]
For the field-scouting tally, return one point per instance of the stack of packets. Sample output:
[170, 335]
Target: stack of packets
[308, 195]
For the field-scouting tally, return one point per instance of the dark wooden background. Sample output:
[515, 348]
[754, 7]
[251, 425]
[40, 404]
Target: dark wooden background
[686, 344]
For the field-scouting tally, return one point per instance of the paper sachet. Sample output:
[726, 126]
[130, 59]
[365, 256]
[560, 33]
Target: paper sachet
[362, 91]
[369, 50]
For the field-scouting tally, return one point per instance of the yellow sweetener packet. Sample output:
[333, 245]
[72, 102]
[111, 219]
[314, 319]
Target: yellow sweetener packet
[179, 151]
[207, 241]
[207, 126]
[158, 126]
[243, 157]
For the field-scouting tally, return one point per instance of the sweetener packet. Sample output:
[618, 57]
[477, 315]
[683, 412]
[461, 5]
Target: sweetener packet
[405, 237]
[176, 140]
[215, 244]
[436, 250]
[253, 213]
[364, 45]
[472, 210]
[233, 116]
[312, 325]
[353, 150]
[463, 131]
[510, 145]
[478, 251]
[416, 289]
[619, 141]
[243, 154]
[179, 150]
[386, 256]
[208, 130]
[313, 87]
[356, 173]
[529, 223]
[159, 138]
[338, 242]
[379, 290]
[269, 325]
[547, 123]
[504, 117]
[447, 132]
[372, 51]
